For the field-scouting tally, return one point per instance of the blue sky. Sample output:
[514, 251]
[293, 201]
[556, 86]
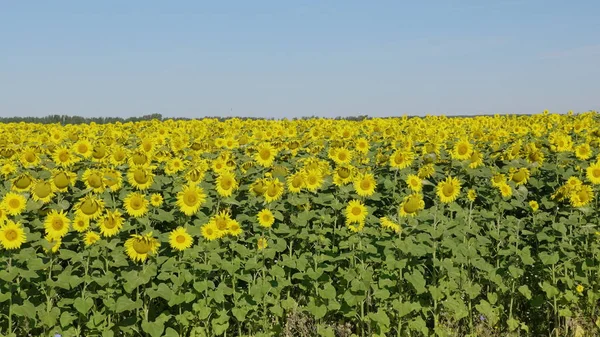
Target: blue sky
[298, 58]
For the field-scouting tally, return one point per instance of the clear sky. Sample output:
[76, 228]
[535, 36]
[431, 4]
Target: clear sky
[285, 58]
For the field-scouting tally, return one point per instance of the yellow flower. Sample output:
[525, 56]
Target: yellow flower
[365, 185]
[89, 206]
[190, 199]
[14, 203]
[22, 182]
[274, 190]
[110, 224]
[262, 243]
[471, 195]
[140, 177]
[583, 151]
[582, 196]
[80, 223]
[42, 191]
[448, 190]
[534, 205]
[593, 173]
[387, 223]
[505, 190]
[90, 238]
[265, 154]
[234, 228]
[156, 200]
[295, 182]
[579, 288]
[401, 159]
[356, 212]
[226, 184]
[520, 176]
[140, 247]
[414, 182]
[210, 231]
[12, 235]
[56, 225]
[411, 205]
[93, 180]
[180, 239]
[462, 150]
[266, 218]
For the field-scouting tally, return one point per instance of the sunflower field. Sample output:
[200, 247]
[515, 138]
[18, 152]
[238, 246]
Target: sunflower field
[434, 226]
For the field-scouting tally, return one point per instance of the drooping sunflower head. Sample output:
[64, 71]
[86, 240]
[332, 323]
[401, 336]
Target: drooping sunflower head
[449, 189]
[22, 182]
[140, 247]
[411, 205]
[90, 206]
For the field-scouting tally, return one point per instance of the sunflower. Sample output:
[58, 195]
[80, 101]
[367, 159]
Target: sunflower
[61, 180]
[389, 224]
[313, 180]
[180, 239]
[84, 148]
[356, 212]
[414, 182]
[498, 180]
[80, 223]
[343, 175]
[471, 195]
[448, 190]
[190, 199]
[265, 154]
[234, 228]
[156, 199]
[259, 187]
[365, 184]
[112, 179]
[362, 145]
[462, 150]
[426, 171]
[140, 177]
[583, 151]
[118, 155]
[262, 243]
[341, 155]
[136, 204]
[56, 225]
[93, 180]
[266, 218]
[534, 205]
[505, 190]
[582, 196]
[22, 183]
[14, 203]
[7, 169]
[63, 157]
[42, 191]
[89, 206]
[295, 182]
[90, 238]
[520, 176]
[110, 223]
[55, 244]
[593, 173]
[221, 222]
[226, 184]
[210, 231]
[29, 158]
[140, 247]
[411, 205]
[476, 159]
[12, 235]
[2, 215]
[174, 165]
[401, 159]
[274, 190]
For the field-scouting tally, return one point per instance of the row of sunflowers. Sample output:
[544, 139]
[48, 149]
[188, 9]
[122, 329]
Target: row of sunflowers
[386, 226]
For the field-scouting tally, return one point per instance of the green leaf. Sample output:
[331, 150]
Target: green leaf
[380, 317]
[417, 280]
[26, 310]
[125, 304]
[66, 319]
[154, 329]
[524, 289]
[548, 259]
[83, 306]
